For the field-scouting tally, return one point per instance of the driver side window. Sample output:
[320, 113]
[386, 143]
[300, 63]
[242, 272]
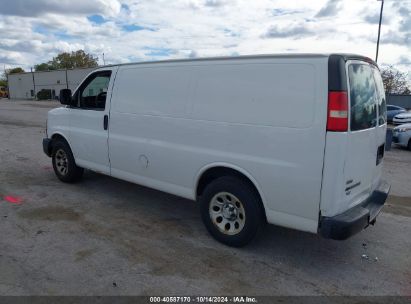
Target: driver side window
[93, 92]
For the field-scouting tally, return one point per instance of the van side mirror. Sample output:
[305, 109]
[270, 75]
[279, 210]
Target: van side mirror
[65, 97]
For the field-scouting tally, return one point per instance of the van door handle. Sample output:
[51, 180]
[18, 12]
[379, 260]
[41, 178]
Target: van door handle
[105, 122]
[380, 154]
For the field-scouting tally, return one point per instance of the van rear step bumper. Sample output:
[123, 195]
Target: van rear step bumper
[344, 225]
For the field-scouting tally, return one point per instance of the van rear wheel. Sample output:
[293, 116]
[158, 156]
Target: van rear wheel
[64, 164]
[231, 211]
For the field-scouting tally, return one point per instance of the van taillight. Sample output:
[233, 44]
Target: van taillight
[337, 119]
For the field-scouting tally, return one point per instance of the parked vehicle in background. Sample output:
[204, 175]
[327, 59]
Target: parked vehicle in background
[392, 111]
[402, 118]
[402, 135]
[292, 140]
[4, 92]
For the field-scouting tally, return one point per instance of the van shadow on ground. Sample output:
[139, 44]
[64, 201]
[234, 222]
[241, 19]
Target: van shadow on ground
[304, 249]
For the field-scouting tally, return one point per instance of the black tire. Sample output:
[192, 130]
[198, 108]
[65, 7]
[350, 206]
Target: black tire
[409, 145]
[72, 173]
[251, 205]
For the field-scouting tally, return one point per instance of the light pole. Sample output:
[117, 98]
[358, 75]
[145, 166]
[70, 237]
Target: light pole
[34, 83]
[379, 30]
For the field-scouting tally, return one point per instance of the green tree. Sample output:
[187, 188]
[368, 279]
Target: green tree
[77, 59]
[3, 80]
[15, 70]
[395, 81]
[43, 67]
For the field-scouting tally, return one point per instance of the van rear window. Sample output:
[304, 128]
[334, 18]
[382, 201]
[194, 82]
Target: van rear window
[382, 105]
[363, 97]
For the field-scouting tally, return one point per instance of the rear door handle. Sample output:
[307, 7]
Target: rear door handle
[380, 154]
[105, 122]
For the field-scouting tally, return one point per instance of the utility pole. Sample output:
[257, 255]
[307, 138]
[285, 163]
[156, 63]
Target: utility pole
[379, 30]
[7, 81]
[104, 60]
[34, 83]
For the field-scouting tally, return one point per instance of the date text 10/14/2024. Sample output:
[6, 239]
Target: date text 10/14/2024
[203, 299]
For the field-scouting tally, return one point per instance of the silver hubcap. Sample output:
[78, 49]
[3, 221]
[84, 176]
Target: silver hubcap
[227, 213]
[61, 162]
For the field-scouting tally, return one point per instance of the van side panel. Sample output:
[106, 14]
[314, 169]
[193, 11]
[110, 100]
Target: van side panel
[266, 94]
[142, 98]
[265, 116]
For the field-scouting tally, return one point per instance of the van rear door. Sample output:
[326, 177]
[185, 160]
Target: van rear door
[352, 193]
[382, 125]
[366, 135]
[355, 137]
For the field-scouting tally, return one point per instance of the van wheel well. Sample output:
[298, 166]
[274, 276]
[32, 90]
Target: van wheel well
[55, 138]
[213, 173]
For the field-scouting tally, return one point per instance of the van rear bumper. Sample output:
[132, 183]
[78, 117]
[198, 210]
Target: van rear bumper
[344, 225]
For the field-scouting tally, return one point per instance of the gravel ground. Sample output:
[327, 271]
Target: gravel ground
[104, 236]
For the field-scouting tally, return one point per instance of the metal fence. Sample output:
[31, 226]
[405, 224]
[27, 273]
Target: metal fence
[400, 100]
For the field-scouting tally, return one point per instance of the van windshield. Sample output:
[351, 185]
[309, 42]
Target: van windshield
[363, 97]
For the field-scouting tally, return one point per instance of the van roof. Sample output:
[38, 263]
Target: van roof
[343, 56]
[258, 56]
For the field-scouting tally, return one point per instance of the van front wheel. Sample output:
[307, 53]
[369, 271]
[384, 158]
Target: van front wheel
[64, 164]
[231, 211]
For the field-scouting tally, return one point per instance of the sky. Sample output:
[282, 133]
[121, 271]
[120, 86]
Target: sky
[33, 31]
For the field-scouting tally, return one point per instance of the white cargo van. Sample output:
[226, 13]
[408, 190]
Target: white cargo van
[292, 140]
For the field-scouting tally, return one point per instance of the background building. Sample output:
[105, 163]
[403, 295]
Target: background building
[28, 85]
[400, 100]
